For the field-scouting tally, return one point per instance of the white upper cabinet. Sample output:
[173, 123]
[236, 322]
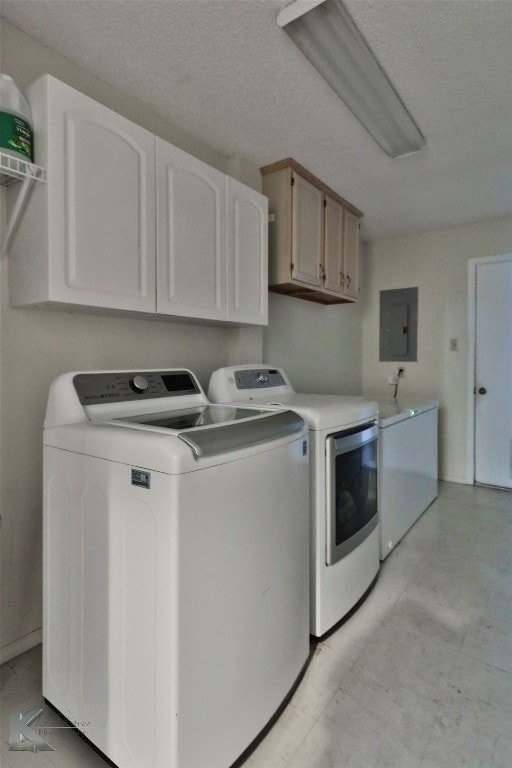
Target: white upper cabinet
[212, 234]
[127, 222]
[247, 249]
[89, 233]
[191, 240]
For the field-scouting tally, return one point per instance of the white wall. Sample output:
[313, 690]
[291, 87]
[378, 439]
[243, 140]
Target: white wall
[436, 263]
[318, 346]
[36, 346]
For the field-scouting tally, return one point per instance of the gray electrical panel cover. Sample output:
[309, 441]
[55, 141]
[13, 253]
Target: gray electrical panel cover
[398, 325]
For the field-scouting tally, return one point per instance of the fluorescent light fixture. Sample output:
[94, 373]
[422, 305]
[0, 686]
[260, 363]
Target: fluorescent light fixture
[327, 36]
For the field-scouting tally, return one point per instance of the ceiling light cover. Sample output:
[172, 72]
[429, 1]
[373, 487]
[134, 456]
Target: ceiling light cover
[327, 36]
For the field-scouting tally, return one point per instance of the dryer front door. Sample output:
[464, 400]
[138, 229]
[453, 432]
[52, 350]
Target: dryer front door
[351, 489]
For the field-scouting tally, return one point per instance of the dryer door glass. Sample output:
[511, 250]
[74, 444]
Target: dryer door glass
[352, 490]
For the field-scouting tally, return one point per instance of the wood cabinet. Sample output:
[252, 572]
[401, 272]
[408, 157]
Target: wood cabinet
[333, 255]
[313, 237]
[351, 254]
[129, 223]
[307, 232]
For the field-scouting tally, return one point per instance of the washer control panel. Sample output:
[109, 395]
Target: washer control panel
[116, 387]
[259, 378]
[139, 384]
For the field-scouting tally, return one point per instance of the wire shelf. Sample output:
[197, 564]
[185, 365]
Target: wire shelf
[16, 169]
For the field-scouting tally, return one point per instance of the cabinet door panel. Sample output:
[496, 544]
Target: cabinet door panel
[351, 255]
[247, 254]
[333, 251]
[307, 231]
[101, 198]
[191, 236]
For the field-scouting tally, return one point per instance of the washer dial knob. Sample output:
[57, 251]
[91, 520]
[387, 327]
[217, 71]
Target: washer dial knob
[139, 384]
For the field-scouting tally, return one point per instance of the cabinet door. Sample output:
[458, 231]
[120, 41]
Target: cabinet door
[191, 236]
[333, 246]
[101, 204]
[351, 255]
[307, 231]
[247, 274]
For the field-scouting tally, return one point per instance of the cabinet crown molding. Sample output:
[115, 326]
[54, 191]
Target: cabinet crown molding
[289, 162]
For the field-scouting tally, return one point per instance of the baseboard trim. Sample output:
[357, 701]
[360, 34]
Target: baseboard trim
[460, 479]
[25, 643]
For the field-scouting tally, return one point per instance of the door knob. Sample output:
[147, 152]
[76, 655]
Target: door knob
[482, 391]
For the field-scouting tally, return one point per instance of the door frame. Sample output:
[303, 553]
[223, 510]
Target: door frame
[471, 370]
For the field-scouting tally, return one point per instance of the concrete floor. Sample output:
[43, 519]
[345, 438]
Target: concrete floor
[419, 677]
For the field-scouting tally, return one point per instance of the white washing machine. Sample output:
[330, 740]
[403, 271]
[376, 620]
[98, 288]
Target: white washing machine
[344, 520]
[176, 576]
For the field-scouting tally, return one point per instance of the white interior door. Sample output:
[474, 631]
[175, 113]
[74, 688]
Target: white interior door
[493, 374]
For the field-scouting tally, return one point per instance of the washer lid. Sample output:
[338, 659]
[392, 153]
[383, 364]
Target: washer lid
[213, 429]
[237, 435]
[202, 416]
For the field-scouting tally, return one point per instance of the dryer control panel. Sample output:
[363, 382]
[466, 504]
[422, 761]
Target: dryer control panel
[248, 382]
[259, 378]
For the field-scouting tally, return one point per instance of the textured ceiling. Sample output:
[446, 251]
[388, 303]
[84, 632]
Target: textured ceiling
[225, 72]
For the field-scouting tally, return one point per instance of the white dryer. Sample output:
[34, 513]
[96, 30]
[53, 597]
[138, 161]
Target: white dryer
[176, 578]
[344, 519]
